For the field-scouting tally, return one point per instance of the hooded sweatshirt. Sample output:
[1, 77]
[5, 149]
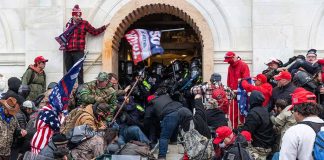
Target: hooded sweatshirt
[258, 122]
[13, 87]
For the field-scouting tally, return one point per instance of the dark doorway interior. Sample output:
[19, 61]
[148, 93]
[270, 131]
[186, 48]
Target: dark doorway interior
[178, 45]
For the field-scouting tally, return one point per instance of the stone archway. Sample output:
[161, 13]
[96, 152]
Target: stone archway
[128, 15]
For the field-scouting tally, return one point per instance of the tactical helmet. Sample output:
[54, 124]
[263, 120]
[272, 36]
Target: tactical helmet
[303, 79]
[215, 77]
[129, 67]
[195, 62]
[177, 66]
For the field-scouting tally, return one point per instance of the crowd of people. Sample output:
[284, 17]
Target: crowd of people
[276, 114]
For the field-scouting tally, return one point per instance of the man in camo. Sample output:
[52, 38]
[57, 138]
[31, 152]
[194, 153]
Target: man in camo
[99, 91]
[9, 127]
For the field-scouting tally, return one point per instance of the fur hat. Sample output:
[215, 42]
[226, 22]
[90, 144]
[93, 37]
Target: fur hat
[10, 105]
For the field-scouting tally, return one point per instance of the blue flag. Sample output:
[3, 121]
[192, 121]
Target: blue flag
[243, 98]
[61, 92]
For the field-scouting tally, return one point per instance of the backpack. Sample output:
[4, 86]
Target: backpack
[136, 148]
[70, 120]
[197, 146]
[318, 149]
[79, 134]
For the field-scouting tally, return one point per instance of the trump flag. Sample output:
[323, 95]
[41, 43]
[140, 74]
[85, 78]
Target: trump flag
[61, 92]
[144, 43]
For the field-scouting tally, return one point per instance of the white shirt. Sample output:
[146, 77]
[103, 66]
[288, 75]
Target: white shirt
[298, 141]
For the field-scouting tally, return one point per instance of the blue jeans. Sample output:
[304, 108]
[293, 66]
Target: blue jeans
[168, 125]
[275, 156]
[129, 133]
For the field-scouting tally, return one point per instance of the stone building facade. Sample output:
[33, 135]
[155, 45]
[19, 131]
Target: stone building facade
[254, 29]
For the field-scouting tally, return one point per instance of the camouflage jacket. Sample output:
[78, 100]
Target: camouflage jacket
[90, 91]
[7, 134]
[89, 149]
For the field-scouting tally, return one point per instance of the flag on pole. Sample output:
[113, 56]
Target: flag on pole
[144, 43]
[61, 92]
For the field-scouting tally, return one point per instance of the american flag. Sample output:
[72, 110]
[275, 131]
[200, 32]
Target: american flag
[47, 123]
[50, 115]
[61, 92]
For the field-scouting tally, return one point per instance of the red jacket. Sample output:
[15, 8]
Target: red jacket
[235, 71]
[265, 89]
[77, 41]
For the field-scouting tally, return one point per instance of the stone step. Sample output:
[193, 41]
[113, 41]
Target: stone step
[175, 152]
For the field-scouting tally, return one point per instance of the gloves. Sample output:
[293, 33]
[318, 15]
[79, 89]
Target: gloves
[292, 59]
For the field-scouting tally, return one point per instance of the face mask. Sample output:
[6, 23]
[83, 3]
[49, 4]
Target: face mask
[231, 61]
[222, 145]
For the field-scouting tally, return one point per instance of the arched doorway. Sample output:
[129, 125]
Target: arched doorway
[115, 32]
[183, 45]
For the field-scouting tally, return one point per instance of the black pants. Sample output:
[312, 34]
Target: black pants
[70, 58]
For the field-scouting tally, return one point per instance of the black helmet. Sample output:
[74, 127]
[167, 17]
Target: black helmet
[303, 79]
[51, 85]
[129, 67]
[122, 67]
[158, 69]
[215, 77]
[177, 66]
[185, 64]
[195, 62]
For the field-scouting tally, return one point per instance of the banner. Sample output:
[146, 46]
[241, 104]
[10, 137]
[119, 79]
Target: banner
[144, 43]
[61, 92]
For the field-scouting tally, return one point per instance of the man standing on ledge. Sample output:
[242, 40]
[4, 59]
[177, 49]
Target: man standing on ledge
[76, 44]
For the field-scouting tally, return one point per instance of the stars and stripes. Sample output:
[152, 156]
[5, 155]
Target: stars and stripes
[47, 123]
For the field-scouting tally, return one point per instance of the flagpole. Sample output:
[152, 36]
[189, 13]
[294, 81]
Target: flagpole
[170, 30]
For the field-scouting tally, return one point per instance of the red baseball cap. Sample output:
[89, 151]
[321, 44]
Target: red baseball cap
[40, 59]
[261, 77]
[247, 135]
[228, 56]
[222, 133]
[283, 75]
[150, 98]
[302, 96]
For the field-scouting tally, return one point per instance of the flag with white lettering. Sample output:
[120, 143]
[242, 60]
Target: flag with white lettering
[60, 95]
[144, 43]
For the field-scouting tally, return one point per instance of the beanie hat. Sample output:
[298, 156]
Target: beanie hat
[59, 139]
[76, 10]
[312, 51]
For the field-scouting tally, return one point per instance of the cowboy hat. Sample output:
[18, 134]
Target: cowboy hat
[10, 105]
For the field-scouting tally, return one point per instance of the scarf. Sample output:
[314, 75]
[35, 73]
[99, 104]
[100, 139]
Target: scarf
[3, 116]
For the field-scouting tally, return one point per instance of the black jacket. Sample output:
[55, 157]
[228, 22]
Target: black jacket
[281, 93]
[237, 151]
[258, 122]
[13, 87]
[163, 105]
[200, 119]
[216, 118]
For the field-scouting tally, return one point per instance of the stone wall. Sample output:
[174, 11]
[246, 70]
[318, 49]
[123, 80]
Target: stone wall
[254, 29]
